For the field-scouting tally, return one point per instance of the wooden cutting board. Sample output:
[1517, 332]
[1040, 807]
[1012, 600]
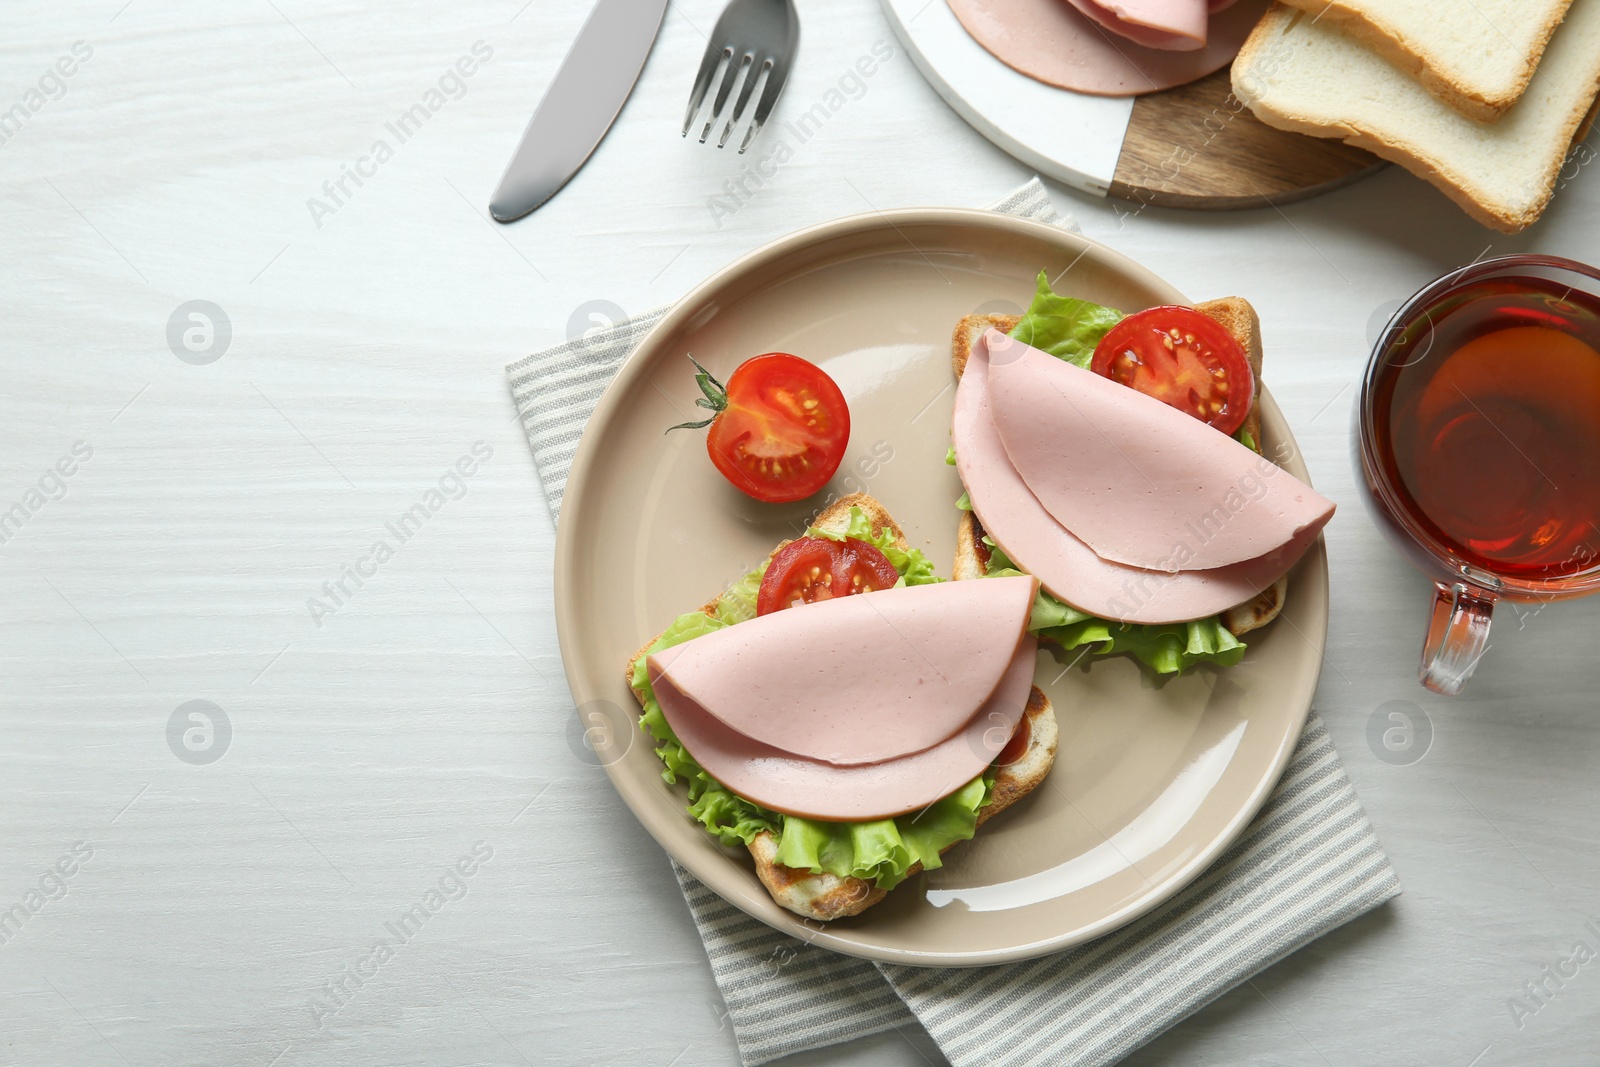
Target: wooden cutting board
[1196, 146]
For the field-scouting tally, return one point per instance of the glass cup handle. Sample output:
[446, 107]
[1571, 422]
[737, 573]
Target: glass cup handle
[1458, 635]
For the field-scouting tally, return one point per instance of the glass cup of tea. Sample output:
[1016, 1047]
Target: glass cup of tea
[1478, 445]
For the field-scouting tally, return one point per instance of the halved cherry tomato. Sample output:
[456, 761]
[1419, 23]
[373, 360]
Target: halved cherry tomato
[780, 428]
[815, 568]
[1182, 358]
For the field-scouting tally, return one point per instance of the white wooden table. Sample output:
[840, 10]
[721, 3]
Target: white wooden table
[184, 912]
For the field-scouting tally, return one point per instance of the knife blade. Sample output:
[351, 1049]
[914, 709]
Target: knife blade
[588, 91]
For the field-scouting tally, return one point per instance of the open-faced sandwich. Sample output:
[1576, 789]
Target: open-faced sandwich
[1118, 460]
[845, 714]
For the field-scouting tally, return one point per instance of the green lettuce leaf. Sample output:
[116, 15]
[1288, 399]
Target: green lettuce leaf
[729, 818]
[882, 851]
[1165, 649]
[738, 602]
[1064, 327]
[965, 503]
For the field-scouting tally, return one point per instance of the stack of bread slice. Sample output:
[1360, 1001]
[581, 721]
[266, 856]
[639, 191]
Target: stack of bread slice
[1485, 99]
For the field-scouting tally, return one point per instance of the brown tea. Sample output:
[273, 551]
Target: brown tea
[1487, 416]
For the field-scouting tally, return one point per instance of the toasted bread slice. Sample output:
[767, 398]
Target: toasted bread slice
[1239, 318]
[1256, 613]
[971, 327]
[824, 896]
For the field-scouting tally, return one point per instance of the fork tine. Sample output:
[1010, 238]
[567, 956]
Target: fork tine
[736, 65]
[749, 135]
[759, 66]
[702, 81]
[769, 97]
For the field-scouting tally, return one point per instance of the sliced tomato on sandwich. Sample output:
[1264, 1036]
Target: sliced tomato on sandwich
[1184, 359]
[810, 569]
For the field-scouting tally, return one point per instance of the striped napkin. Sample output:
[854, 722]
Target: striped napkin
[1308, 863]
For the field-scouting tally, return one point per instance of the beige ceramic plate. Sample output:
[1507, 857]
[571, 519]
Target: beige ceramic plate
[1151, 783]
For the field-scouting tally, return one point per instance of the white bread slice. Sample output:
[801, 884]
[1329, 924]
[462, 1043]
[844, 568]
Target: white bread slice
[1306, 75]
[1477, 57]
[824, 896]
[1239, 318]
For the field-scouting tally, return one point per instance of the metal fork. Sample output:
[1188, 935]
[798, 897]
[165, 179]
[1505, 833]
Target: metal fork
[754, 41]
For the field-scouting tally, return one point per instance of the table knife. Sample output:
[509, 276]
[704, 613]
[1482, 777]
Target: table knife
[588, 91]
